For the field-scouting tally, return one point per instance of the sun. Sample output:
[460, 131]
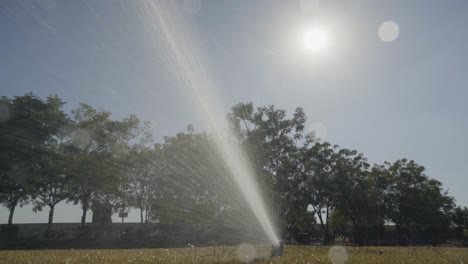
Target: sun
[315, 39]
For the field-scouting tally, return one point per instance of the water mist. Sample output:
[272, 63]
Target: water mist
[174, 36]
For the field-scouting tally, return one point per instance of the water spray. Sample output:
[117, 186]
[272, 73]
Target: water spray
[191, 74]
[277, 249]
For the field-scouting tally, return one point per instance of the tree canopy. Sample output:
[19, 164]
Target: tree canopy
[86, 157]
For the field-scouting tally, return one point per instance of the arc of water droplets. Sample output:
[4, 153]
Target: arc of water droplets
[192, 75]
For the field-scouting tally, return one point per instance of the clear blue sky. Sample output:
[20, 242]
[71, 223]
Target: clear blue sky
[389, 100]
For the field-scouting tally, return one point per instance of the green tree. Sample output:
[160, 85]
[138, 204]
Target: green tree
[272, 141]
[144, 170]
[460, 216]
[14, 187]
[353, 189]
[317, 184]
[51, 180]
[99, 146]
[51, 188]
[24, 131]
[414, 202]
[191, 175]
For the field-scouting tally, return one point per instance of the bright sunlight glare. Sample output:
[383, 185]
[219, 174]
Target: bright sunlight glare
[315, 39]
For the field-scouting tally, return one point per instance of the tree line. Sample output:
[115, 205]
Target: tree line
[85, 157]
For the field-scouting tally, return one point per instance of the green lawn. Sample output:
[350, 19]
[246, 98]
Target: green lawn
[292, 254]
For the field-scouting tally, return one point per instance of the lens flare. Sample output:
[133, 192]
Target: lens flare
[389, 31]
[315, 39]
[338, 255]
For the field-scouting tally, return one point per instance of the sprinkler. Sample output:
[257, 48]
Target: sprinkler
[277, 249]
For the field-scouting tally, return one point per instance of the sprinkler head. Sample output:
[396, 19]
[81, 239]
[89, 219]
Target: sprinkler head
[277, 249]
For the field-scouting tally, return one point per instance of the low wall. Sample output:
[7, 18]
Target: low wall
[116, 235]
[150, 235]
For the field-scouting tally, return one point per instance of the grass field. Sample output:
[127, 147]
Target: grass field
[292, 254]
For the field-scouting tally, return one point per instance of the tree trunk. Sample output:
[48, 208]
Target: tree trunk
[84, 208]
[322, 226]
[402, 239]
[358, 237]
[328, 237]
[51, 216]
[83, 216]
[141, 215]
[10, 216]
[148, 214]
